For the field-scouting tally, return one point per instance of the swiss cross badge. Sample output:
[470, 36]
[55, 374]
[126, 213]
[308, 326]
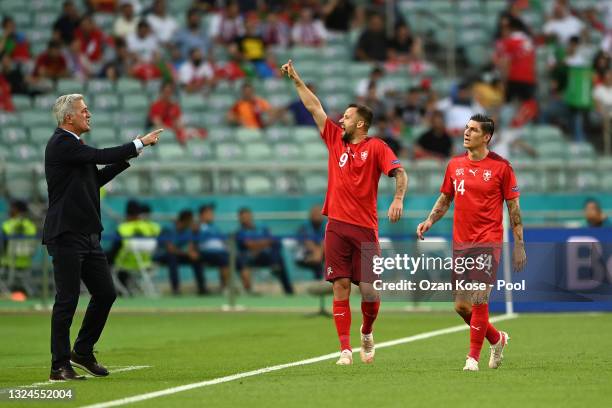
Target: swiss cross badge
[486, 175]
[364, 155]
[459, 172]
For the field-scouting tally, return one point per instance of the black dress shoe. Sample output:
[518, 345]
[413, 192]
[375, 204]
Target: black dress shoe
[65, 373]
[88, 364]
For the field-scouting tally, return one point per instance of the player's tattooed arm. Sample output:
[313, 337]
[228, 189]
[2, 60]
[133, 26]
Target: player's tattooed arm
[308, 98]
[439, 209]
[396, 209]
[519, 257]
[401, 182]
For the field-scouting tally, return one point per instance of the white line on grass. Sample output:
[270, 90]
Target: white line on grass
[220, 380]
[120, 369]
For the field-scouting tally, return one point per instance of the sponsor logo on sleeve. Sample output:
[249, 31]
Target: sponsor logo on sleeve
[515, 189]
[395, 162]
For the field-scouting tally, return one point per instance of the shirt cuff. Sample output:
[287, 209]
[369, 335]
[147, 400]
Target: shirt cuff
[139, 145]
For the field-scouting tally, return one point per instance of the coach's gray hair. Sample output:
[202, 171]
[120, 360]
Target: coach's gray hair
[64, 105]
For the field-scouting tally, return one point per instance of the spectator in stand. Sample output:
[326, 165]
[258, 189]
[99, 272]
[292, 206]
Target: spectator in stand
[91, 39]
[120, 64]
[251, 46]
[193, 35]
[372, 44]
[228, 24]
[435, 142]
[338, 15]
[13, 74]
[376, 77]
[196, 74]
[252, 111]
[411, 109]
[51, 64]
[13, 42]
[6, 100]
[400, 47]
[512, 15]
[390, 135]
[79, 66]
[374, 102]
[301, 115]
[310, 253]
[594, 217]
[601, 64]
[157, 68]
[127, 22]
[308, 31]
[602, 97]
[275, 31]
[562, 25]
[67, 22]
[163, 25]
[165, 112]
[143, 42]
[459, 108]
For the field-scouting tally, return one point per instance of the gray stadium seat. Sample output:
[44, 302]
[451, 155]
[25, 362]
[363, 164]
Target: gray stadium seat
[315, 183]
[193, 183]
[229, 151]
[106, 102]
[128, 86]
[36, 117]
[306, 134]
[171, 151]
[221, 134]
[258, 152]
[287, 151]
[69, 86]
[315, 151]
[247, 135]
[22, 102]
[279, 133]
[40, 135]
[103, 136]
[201, 150]
[97, 85]
[24, 153]
[257, 184]
[136, 102]
[167, 184]
[22, 188]
[13, 135]
[44, 102]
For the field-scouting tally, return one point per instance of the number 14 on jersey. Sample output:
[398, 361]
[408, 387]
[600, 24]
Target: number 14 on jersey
[459, 187]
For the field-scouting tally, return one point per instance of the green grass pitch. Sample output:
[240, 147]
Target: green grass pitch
[553, 360]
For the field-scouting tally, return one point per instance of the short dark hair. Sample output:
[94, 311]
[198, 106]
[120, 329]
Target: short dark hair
[243, 210]
[364, 112]
[206, 207]
[592, 200]
[486, 123]
[185, 215]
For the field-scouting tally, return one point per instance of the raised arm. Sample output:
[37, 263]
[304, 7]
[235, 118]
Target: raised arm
[309, 99]
[519, 257]
[401, 185]
[439, 209]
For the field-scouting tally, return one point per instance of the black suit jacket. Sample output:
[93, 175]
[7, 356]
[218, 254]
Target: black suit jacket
[74, 181]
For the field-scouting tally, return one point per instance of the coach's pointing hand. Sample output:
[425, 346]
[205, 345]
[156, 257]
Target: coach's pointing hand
[151, 138]
[423, 228]
[396, 210]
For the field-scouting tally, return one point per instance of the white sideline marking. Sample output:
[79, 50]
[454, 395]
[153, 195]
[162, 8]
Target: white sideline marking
[220, 380]
[120, 369]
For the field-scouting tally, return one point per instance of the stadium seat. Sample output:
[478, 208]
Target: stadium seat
[229, 151]
[24, 153]
[127, 134]
[41, 188]
[582, 150]
[257, 184]
[136, 102]
[587, 180]
[192, 102]
[167, 184]
[171, 152]
[22, 102]
[44, 19]
[529, 180]
[37, 117]
[315, 183]
[336, 102]
[9, 119]
[4, 152]
[247, 135]
[279, 134]
[287, 151]
[106, 102]
[69, 86]
[221, 134]
[103, 119]
[128, 86]
[44, 102]
[218, 101]
[552, 149]
[213, 118]
[128, 183]
[545, 133]
[99, 85]
[103, 136]
[128, 119]
[193, 183]
[315, 151]
[258, 152]
[13, 135]
[306, 134]
[200, 150]
[40, 135]
[20, 187]
[280, 99]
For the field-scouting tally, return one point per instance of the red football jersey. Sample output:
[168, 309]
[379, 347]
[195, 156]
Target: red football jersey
[353, 174]
[519, 49]
[479, 189]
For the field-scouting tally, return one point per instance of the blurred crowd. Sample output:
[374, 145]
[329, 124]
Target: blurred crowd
[239, 40]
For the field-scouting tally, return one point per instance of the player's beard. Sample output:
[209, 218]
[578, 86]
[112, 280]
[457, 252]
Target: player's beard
[347, 137]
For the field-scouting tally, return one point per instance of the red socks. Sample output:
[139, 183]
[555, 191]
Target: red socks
[478, 329]
[342, 318]
[492, 333]
[369, 310]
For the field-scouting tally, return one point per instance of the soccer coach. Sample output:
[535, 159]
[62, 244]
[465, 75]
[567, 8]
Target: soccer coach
[72, 233]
